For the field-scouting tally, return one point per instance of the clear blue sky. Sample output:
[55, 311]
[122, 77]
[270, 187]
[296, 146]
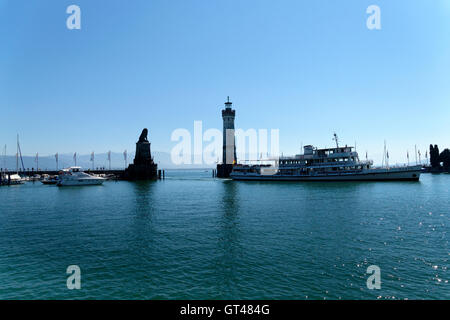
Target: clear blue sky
[308, 68]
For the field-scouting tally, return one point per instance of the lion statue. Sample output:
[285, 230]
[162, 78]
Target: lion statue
[143, 136]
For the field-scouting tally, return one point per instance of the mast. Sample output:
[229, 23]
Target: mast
[387, 159]
[17, 155]
[92, 159]
[4, 159]
[17, 162]
[336, 139]
[415, 152]
[19, 152]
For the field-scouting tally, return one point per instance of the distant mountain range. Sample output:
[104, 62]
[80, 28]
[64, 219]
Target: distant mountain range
[163, 160]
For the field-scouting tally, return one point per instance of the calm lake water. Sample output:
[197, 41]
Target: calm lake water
[194, 237]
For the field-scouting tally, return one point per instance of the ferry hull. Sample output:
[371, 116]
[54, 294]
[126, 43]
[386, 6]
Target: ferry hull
[410, 175]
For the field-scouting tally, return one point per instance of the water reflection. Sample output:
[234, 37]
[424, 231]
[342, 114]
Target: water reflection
[142, 229]
[229, 246]
[143, 195]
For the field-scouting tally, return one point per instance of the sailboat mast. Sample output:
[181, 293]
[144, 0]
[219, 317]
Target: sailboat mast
[4, 159]
[415, 152]
[19, 152]
[17, 155]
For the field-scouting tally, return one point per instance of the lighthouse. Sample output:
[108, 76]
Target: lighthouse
[229, 147]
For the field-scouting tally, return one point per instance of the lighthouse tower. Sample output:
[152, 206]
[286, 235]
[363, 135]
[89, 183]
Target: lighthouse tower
[229, 147]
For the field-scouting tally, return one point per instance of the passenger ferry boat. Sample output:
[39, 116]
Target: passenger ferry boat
[331, 164]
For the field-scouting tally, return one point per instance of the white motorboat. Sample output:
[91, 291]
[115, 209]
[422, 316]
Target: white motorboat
[36, 177]
[11, 179]
[49, 179]
[74, 176]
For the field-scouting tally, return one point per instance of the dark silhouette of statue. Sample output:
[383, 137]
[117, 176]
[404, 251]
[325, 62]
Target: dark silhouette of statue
[143, 136]
[143, 166]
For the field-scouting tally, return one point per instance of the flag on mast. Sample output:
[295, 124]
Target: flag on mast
[92, 159]
[109, 159]
[4, 159]
[415, 152]
[387, 159]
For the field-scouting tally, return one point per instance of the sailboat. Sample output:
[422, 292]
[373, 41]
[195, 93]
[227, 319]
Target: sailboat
[14, 179]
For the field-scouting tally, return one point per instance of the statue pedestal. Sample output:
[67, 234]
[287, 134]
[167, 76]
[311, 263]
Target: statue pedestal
[143, 167]
[143, 155]
[224, 170]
